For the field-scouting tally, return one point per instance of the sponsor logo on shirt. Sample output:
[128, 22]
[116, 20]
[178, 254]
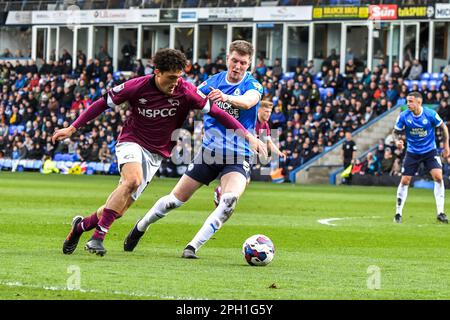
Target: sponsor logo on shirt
[419, 132]
[174, 102]
[201, 94]
[154, 113]
[225, 106]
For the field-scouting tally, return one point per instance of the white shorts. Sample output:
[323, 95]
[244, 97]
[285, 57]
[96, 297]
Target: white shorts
[127, 152]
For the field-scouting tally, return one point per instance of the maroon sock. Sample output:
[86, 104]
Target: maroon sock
[88, 223]
[105, 222]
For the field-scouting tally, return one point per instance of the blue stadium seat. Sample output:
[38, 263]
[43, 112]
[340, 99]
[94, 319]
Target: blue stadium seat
[58, 157]
[436, 76]
[319, 83]
[116, 75]
[318, 76]
[12, 129]
[329, 90]
[287, 76]
[20, 128]
[275, 100]
[407, 83]
[425, 76]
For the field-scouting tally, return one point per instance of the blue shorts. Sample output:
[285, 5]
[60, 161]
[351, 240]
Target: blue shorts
[431, 160]
[203, 172]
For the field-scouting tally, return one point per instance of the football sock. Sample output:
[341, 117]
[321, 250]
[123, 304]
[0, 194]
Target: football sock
[215, 220]
[88, 223]
[161, 208]
[105, 222]
[439, 195]
[402, 193]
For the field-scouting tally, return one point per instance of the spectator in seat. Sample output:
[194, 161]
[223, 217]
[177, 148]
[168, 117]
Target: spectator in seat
[416, 71]
[387, 162]
[104, 153]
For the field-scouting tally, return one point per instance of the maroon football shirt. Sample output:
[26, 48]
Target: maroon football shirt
[262, 129]
[154, 115]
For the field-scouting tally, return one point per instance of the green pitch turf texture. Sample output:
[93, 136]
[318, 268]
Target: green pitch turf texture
[312, 260]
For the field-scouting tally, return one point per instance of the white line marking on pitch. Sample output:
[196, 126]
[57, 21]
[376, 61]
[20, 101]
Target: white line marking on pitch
[328, 221]
[115, 292]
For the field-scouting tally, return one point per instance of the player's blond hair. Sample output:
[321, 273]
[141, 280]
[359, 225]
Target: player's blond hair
[266, 104]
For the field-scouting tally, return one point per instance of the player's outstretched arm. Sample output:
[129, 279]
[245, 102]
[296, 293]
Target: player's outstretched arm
[275, 149]
[97, 108]
[245, 101]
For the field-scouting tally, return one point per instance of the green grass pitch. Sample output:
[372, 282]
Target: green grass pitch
[312, 260]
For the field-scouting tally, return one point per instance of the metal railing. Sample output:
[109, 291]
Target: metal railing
[35, 5]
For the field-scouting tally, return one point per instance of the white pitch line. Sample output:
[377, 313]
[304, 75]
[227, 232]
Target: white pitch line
[115, 292]
[328, 221]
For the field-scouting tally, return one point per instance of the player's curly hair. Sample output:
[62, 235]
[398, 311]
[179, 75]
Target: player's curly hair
[169, 60]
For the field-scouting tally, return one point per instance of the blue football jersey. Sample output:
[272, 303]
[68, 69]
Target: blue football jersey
[215, 137]
[420, 130]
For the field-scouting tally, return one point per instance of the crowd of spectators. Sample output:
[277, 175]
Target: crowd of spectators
[37, 99]
[310, 121]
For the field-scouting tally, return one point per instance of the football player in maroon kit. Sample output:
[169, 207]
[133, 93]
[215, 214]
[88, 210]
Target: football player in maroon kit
[159, 105]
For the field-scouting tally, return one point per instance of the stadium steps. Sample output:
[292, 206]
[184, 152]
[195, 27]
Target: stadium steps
[318, 169]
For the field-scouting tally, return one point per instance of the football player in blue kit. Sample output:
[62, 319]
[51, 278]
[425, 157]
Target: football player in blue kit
[223, 154]
[419, 123]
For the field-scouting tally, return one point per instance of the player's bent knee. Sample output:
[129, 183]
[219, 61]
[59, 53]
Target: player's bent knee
[438, 180]
[132, 183]
[405, 181]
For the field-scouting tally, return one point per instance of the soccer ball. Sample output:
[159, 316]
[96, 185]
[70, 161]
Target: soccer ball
[258, 250]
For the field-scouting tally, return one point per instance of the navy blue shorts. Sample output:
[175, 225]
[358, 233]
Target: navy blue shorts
[205, 172]
[412, 161]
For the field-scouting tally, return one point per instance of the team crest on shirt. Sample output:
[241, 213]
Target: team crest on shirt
[174, 102]
[119, 88]
[142, 101]
[237, 92]
[424, 121]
